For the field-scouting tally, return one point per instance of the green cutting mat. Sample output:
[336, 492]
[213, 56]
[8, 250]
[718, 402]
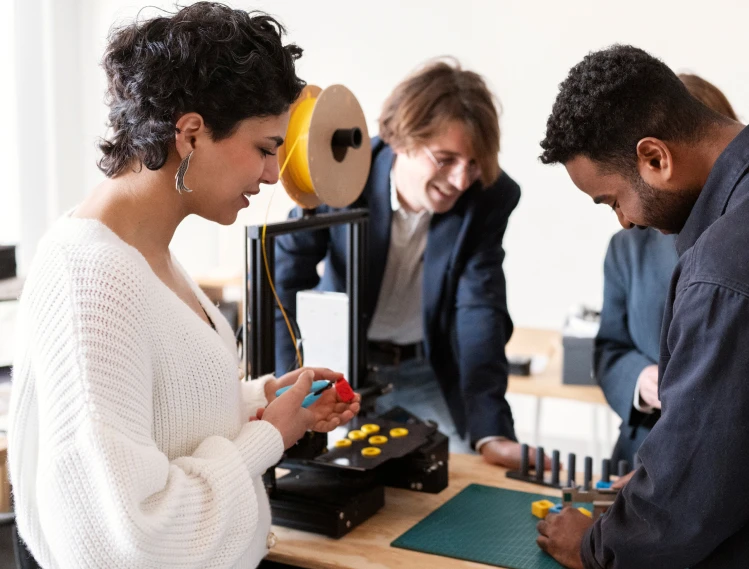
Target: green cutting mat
[486, 525]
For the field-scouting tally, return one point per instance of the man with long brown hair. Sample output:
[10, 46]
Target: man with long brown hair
[436, 312]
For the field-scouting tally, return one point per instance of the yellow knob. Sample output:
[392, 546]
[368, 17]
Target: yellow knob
[371, 429]
[357, 435]
[343, 443]
[398, 432]
[370, 452]
[378, 440]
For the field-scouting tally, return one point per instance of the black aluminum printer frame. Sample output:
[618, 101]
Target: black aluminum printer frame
[259, 304]
[320, 498]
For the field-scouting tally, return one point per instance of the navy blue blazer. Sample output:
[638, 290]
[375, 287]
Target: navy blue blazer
[637, 272]
[466, 322]
[688, 504]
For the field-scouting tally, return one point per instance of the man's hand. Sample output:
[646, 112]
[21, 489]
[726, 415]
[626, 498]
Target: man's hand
[506, 453]
[649, 387]
[621, 482]
[562, 535]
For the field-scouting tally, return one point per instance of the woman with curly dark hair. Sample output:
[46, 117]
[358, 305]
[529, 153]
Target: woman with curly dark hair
[132, 443]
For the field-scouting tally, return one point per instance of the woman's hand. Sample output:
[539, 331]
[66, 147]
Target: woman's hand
[292, 420]
[273, 385]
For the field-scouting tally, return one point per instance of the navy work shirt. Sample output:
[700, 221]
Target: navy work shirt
[688, 504]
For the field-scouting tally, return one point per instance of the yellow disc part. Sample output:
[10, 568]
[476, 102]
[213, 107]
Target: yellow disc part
[371, 428]
[378, 440]
[343, 443]
[297, 135]
[370, 452]
[398, 432]
[357, 435]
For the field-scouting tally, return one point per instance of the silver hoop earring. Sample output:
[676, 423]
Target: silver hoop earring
[180, 176]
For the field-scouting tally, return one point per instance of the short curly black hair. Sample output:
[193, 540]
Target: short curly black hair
[611, 100]
[227, 65]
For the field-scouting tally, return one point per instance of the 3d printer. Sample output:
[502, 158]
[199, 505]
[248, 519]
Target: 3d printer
[332, 490]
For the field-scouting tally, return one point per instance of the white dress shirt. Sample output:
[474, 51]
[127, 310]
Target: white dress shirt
[638, 402]
[398, 315]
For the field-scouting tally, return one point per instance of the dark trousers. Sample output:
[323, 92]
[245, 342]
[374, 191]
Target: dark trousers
[416, 389]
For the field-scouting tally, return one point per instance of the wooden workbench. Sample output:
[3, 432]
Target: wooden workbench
[548, 383]
[368, 546]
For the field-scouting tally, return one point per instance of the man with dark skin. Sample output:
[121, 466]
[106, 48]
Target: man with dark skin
[633, 138]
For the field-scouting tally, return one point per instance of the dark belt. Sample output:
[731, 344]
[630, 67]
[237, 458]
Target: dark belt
[387, 353]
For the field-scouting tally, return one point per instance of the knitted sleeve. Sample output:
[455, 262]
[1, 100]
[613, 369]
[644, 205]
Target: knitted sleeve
[253, 394]
[107, 496]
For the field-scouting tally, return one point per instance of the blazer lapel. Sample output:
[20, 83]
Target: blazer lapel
[443, 240]
[380, 221]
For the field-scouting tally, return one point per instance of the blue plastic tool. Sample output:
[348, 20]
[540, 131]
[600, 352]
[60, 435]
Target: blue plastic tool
[314, 392]
[601, 485]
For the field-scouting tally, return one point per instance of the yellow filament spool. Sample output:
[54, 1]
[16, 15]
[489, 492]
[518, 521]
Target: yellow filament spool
[343, 443]
[370, 452]
[398, 432]
[378, 440]
[324, 159]
[298, 139]
[357, 435]
[370, 428]
[326, 155]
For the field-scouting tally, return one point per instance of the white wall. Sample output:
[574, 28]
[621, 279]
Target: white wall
[556, 239]
[10, 226]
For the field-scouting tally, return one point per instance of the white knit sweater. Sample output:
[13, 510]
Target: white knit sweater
[129, 440]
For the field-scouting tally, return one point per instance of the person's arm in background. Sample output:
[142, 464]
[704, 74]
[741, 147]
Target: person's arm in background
[297, 257]
[618, 363]
[483, 327]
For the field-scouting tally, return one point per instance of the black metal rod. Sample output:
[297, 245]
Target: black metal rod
[555, 467]
[571, 470]
[524, 468]
[318, 221]
[623, 468]
[259, 298]
[540, 464]
[347, 137]
[263, 359]
[588, 476]
[355, 287]
[606, 470]
[246, 319]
